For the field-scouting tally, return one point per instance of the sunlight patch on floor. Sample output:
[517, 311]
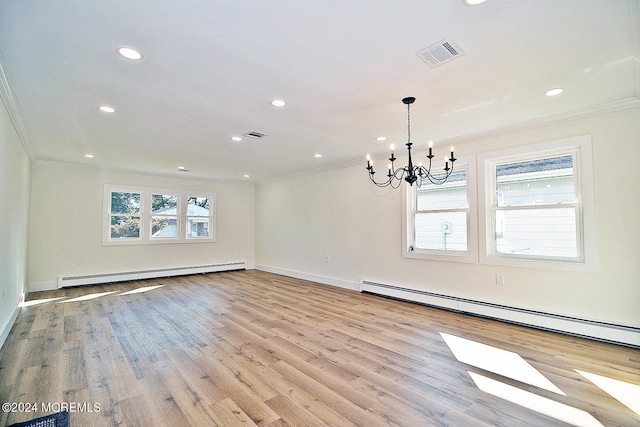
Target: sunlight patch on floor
[88, 297]
[498, 361]
[141, 290]
[39, 301]
[626, 393]
[542, 405]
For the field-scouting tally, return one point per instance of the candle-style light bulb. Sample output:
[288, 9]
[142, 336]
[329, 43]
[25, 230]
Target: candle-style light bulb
[392, 147]
[452, 158]
[430, 149]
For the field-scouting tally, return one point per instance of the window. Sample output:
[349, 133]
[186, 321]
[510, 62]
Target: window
[441, 214]
[197, 217]
[124, 215]
[539, 205]
[536, 208]
[440, 219]
[164, 216]
[145, 215]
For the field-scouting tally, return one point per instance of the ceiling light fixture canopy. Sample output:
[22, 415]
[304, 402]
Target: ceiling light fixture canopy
[411, 173]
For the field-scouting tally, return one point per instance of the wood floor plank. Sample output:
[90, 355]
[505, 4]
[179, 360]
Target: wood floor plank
[229, 414]
[250, 348]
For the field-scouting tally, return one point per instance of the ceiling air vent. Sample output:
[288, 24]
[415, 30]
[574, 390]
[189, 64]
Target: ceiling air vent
[255, 135]
[439, 53]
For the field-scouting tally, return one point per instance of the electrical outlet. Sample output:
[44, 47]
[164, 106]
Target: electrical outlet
[499, 280]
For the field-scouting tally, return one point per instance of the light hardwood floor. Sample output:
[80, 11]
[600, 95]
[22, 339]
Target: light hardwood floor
[251, 348]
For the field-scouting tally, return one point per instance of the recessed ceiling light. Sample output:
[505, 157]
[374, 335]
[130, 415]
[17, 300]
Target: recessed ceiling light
[246, 175]
[106, 109]
[182, 169]
[236, 138]
[317, 155]
[278, 103]
[129, 53]
[89, 156]
[473, 2]
[554, 92]
[381, 138]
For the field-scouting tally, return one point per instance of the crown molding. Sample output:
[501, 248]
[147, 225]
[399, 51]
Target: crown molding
[168, 175]
[612, 107]
[555, 119]
[10, 104]
[314, 171]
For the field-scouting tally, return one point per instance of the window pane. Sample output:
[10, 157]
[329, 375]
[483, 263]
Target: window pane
[198, 227]
[164, 204]
[441, 231]
[451, 195]
[535, 182]
[125, 203]
[124, 226]
[164, 226]
[442, 198]
[198, 206]
[541, 232]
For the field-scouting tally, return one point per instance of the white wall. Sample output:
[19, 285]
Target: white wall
[66, 224]
[338, 214]
[15, 168]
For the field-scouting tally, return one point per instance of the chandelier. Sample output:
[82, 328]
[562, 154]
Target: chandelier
[412, 173]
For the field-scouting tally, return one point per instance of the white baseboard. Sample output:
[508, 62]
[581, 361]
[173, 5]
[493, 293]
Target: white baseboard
[6, 328]
[124, 276]
[354, 286]
[586, 328]
[135, 275]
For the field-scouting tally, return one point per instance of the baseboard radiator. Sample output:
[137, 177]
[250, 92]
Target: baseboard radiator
[602, 331]
[124, 276]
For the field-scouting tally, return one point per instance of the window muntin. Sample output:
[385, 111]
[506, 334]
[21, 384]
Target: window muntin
[441, 215]
[535, 211]
[164, 216]
[124, 215]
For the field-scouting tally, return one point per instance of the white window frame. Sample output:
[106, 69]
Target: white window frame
[580, 148]
[409, 201]
[145, 216]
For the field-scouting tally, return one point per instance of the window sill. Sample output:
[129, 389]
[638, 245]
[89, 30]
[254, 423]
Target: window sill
[447, 256]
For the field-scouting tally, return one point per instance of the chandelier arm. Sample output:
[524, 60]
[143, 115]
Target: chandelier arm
[394, 180]
[435, 180]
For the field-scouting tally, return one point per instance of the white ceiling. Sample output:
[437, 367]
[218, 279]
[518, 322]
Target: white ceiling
[211, 68]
